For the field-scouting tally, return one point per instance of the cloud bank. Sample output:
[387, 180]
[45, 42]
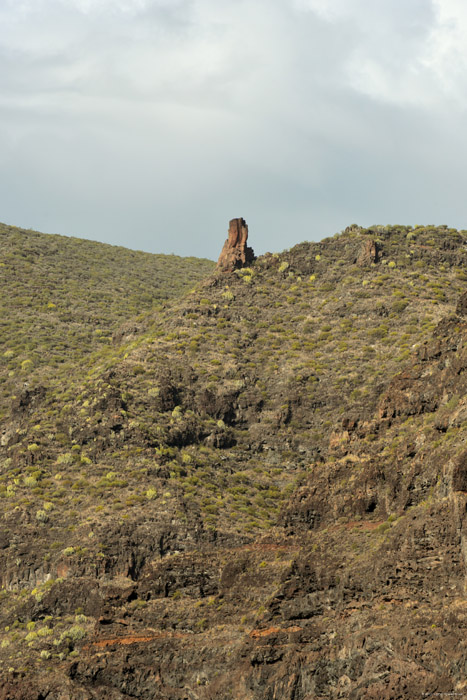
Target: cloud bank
[150, 123]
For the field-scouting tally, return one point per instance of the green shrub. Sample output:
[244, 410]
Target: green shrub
[75, 633]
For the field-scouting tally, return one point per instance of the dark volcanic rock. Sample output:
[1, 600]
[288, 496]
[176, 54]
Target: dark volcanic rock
[261, 495]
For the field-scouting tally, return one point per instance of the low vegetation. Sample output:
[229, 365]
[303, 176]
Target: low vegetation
[172, 457]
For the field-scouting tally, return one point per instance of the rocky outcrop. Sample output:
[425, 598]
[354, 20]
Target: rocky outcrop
[369, 254]
[235, 253]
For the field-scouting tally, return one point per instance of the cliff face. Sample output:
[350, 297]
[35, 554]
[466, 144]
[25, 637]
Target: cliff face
[261, 495]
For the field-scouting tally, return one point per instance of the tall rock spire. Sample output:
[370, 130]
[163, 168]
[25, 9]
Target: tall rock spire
[235, 253]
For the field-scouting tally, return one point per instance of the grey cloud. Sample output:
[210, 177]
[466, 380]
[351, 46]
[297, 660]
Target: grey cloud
[150, 124]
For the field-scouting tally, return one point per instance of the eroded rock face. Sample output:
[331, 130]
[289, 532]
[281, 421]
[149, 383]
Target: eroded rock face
[369, 254]
[235, 253]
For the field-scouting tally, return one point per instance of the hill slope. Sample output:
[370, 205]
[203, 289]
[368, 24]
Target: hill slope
[260, 494]
[65, 297]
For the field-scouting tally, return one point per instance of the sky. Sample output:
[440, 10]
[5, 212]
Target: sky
[151, 123]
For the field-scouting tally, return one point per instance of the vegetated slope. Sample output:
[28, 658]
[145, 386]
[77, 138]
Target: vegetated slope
[261, 495]
[63, 298]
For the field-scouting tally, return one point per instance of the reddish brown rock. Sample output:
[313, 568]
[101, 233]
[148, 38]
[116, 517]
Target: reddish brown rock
[369, 254]
[235, 253]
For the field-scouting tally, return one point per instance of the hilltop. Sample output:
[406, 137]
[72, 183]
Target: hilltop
[257, 490]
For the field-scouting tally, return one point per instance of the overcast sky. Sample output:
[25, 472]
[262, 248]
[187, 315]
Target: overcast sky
[151, 123]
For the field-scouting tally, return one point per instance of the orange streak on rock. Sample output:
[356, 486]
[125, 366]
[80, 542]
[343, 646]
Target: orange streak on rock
[256, 634]
[132, 639]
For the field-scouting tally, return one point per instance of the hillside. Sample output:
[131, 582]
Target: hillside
[259, 491]
[65, 297]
